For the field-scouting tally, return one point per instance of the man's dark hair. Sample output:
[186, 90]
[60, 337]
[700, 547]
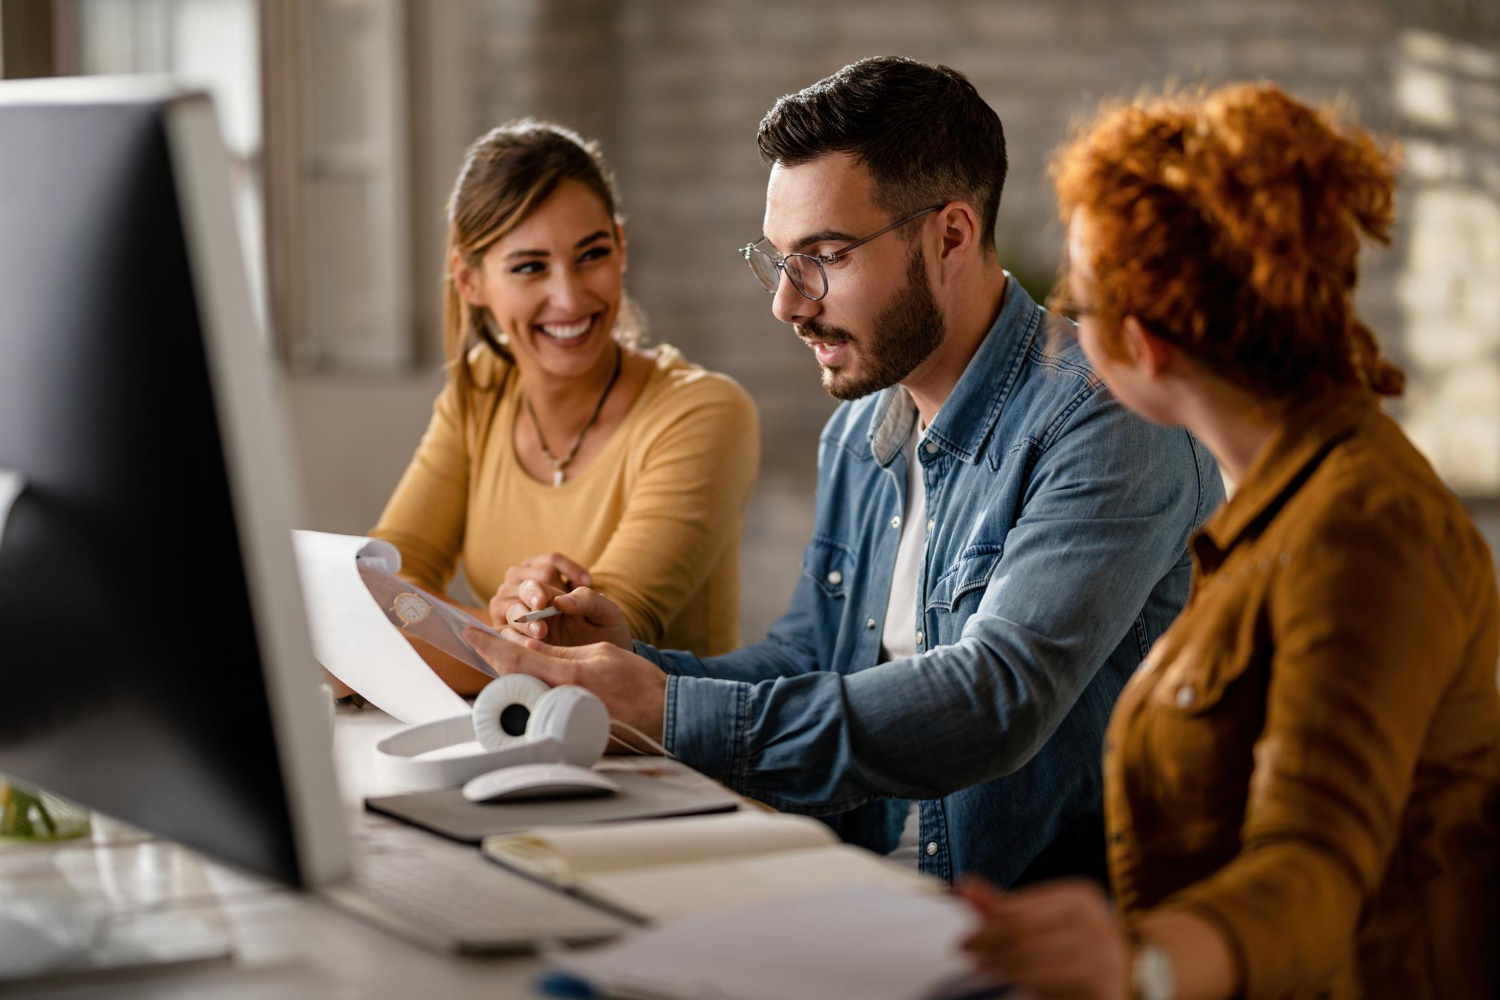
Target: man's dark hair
[923, 132]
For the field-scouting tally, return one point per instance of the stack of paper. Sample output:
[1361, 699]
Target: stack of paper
[871, 942]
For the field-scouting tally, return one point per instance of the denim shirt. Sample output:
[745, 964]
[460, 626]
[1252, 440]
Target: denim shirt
[1056, 554]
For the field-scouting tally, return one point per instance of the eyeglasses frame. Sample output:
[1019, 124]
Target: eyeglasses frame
[1068, 309]
[820, 259]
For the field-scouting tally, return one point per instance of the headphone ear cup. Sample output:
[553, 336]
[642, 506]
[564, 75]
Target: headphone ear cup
[504, 710]
[576, 719]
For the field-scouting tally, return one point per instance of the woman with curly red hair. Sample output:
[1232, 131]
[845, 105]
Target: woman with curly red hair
[1303, 778]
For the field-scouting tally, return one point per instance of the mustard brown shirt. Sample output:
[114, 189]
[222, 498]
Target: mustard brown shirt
[1310, 756]
[656, 517]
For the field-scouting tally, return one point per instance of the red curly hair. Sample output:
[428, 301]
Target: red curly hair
[1229, 225]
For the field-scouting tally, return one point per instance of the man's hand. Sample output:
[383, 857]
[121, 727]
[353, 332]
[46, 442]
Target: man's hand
[587, 616]
[553, 570]
[631, 687]
[1057, 939]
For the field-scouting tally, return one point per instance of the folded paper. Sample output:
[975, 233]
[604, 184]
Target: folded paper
[353, 638]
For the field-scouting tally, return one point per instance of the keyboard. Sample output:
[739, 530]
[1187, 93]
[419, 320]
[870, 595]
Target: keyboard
[447, 896]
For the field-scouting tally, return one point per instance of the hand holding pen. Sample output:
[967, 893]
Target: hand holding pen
[563, 618]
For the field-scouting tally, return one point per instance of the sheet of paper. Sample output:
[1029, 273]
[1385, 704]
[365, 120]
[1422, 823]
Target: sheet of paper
[11, 484]
[872, 942]
[353, 639]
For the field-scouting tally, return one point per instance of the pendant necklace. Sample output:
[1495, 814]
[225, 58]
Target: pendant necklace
[560, 464]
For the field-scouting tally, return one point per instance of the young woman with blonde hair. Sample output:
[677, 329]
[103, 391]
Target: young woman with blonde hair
[561, 450]
[1302, 780]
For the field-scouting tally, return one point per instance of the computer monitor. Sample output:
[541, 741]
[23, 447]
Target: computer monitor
[156, 659]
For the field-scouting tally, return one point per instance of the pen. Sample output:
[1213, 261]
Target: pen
[536, 616]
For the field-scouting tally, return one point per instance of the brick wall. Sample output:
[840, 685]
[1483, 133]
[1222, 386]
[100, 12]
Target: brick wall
[676, 89]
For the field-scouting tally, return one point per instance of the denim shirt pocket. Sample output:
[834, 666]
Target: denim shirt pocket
[828, 563]
[970, 572]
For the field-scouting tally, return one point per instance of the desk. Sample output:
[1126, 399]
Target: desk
[286, 944]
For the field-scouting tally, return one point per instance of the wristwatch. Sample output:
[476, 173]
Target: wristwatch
[1151, 974]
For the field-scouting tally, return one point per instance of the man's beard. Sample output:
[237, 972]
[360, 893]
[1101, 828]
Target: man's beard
[904, 335]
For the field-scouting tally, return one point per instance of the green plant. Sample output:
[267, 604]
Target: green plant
[29, 814]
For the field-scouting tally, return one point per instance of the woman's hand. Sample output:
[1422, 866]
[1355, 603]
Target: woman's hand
[587, 616]
[553, 570]
[1059, 939]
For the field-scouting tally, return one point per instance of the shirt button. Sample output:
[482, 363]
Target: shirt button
[931, 848]
[869, 623]
[919, 638]
[835, 578]
[930, 525]
[1185, 696]
[896, 521]
[931, 447]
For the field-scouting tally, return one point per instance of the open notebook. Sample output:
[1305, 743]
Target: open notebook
[677, 867]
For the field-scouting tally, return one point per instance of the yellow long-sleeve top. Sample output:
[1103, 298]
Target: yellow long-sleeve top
[656, 517]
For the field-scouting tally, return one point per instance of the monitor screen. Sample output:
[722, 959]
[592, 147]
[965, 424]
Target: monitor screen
[152, 665]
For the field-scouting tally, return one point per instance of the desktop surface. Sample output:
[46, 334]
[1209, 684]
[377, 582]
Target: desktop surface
[285, 943]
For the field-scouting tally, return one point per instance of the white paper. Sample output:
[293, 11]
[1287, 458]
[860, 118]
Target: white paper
[353, 639]
[872, 942]
[11, 485]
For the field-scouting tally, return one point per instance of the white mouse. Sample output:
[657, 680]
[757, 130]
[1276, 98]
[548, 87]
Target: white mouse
[537, 781]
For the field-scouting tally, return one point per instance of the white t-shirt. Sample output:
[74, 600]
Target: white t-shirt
[898, 639]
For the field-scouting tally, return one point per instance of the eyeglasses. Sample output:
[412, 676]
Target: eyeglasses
[806, 270]
[1070, 309]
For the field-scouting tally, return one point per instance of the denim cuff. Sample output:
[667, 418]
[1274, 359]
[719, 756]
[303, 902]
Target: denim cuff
[704, 725]
[649, 652]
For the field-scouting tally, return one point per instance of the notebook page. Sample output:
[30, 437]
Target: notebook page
[571, 854]
[666, 891]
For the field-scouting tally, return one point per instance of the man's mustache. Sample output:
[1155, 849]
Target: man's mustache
[827, 335]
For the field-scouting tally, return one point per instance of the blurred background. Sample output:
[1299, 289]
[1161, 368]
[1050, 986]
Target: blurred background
[346, 121]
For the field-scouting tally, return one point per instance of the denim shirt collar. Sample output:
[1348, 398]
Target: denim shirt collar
[968, 416]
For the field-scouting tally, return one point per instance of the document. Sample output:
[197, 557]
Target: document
[11, 485]
[352, 636]
[875, 942]
[678, 867]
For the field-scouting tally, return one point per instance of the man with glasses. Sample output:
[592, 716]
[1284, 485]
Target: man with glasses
[997, 541]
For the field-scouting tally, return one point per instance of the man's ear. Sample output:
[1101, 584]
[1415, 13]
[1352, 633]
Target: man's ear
[959, 235]
[466, 278]
[1152, 354]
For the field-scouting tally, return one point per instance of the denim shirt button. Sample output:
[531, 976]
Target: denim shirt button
[896, 521]
[932, 848]
[919, 638]
[835, 578]
[931, 447]
[930, 525]
[869, 623]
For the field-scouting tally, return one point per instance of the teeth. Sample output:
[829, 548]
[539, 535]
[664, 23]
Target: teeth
[567, 331]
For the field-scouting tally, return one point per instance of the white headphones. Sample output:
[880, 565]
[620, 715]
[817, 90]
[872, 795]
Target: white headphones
[516, 720]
